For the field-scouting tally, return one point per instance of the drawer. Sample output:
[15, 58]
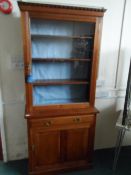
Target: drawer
[57, 121]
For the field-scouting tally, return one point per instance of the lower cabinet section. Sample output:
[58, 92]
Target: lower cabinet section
[61, 143]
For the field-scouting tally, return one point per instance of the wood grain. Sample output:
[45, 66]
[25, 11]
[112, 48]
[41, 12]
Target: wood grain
[60, 136]
[60, 59]
[58, 82]
[60, 37]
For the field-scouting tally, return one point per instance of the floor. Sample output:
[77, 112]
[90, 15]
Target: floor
[103, 160]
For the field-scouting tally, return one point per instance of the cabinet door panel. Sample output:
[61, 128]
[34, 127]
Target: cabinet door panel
[77, 144]
[46, 147]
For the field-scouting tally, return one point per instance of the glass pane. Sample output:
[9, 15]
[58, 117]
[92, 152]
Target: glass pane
[58, 39]
[60, 70]
[45, 95]
[61, 50]
[62, 28]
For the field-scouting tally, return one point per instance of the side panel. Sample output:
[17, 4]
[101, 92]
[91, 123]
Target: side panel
[95, 62]
[27, 56]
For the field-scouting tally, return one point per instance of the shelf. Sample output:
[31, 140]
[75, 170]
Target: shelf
[62, 101]
[58, 82]
[60, 36]
[60, 59]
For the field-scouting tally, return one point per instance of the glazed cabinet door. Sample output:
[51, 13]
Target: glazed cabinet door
[45, 148]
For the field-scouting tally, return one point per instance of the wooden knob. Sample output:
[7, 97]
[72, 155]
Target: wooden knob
[47, 124]
[77, 120]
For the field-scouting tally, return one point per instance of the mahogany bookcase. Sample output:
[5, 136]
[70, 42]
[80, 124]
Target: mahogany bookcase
[61, 53]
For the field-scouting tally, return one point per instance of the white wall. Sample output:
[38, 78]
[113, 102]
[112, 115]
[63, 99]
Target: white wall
[13, 80]
[12, 87]
[125, 52]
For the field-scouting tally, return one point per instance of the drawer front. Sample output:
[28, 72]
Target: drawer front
[58, 121]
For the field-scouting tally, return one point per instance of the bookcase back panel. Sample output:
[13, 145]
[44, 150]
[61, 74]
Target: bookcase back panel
[61, 70]
[67, 47]
[52, 48]
[63, 28]
[61, 48]
[62, 94]
[58, 39]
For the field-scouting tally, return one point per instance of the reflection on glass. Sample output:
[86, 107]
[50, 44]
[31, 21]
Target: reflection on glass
[52, 40]
[43, 95]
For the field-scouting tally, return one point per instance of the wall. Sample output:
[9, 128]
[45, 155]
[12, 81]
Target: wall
[12, 87]
[124, 58]
[12, 80]
[2, 130]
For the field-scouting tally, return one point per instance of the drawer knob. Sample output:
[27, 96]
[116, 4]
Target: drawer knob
[47, 124]
[77, 119]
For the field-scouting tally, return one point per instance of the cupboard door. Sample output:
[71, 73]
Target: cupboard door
[45, 147]
[78, 143]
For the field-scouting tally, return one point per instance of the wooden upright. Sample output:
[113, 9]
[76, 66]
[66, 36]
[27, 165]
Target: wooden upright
[61, 131]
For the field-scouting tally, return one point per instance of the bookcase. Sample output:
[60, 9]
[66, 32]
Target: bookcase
[61, 51]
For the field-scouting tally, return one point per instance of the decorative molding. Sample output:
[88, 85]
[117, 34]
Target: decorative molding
[100, 9]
